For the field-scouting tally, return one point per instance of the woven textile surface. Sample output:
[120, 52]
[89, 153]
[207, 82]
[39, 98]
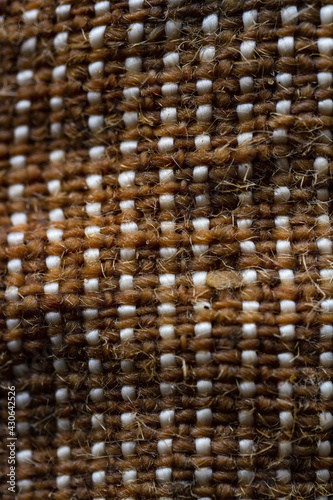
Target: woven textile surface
[166, 256]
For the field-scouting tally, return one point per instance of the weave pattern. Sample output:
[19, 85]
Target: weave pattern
[166, 248]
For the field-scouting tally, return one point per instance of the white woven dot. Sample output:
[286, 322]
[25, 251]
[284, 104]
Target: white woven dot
[163, 474]
[168, 115]
[164, 446]
[249, 357]
[326, 421]
[24, 456]
[98, 449]
[325, 46]
[135, 33]
[210, 23]
[244, 111]
[169, 89]
[203, 476]
[250, 18]
[326, 359]
[135, 5]
[133, 64]
[60, 41]
[165, 144]
[29, 46]
[286, 46]
[24, 77]
[204, 86]
[203, 446]
[245, 477]
[30, 16]
[249, 330]
[283, 476]
[285, 449]
[286, 419]
[131, 93]
[98, 478]
[172, 29]
[17, 161]
[246, 84]
[128, 393]
[200, 174]
[63, 12]
[246, 446]
[63, 452]
[167, 417]
[167, 332]
[326, 390]
[247, 389]
[97, 395]
[247, 49]
[284, 79]
[23, 399]
[171, 60]
[102, 7]
[324, 449]
[63, 482]
[326, 14]
[96, 37]
[59, 73]
[247, 247]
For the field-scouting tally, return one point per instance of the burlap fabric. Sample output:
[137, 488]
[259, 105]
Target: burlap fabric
[166, 249]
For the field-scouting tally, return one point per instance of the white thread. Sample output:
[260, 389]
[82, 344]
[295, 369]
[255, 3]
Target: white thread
[284, 79]
[60, 41]
[135, 33]
[131, 93]
[250, 18]
[59, 73]
[21, 134]
[207, 54]
[244, 112]
[102, 8]
[96, 37]
[163, 474]
[283, 247]
[280, 136]
[169, 89]
[246, 84]
[325, 46]
[171, 60]
[204, 86]
[210, 23]
[326, 14]
[30, 16]
[94, 97]
[135, 5]
[326, 421]
[133, 64]
[247, 49]
[24, 77]
[165, 144]
[202, 141]
[29, 47]
[96, 69]
[17, 162]
[289, 15]
[286, 46]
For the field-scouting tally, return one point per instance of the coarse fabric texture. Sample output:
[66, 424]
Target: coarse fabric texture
[166, 248]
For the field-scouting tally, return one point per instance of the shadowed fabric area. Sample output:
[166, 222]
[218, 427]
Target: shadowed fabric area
[166, 299]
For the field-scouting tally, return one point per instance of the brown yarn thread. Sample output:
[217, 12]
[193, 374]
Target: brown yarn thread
[286, 435]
